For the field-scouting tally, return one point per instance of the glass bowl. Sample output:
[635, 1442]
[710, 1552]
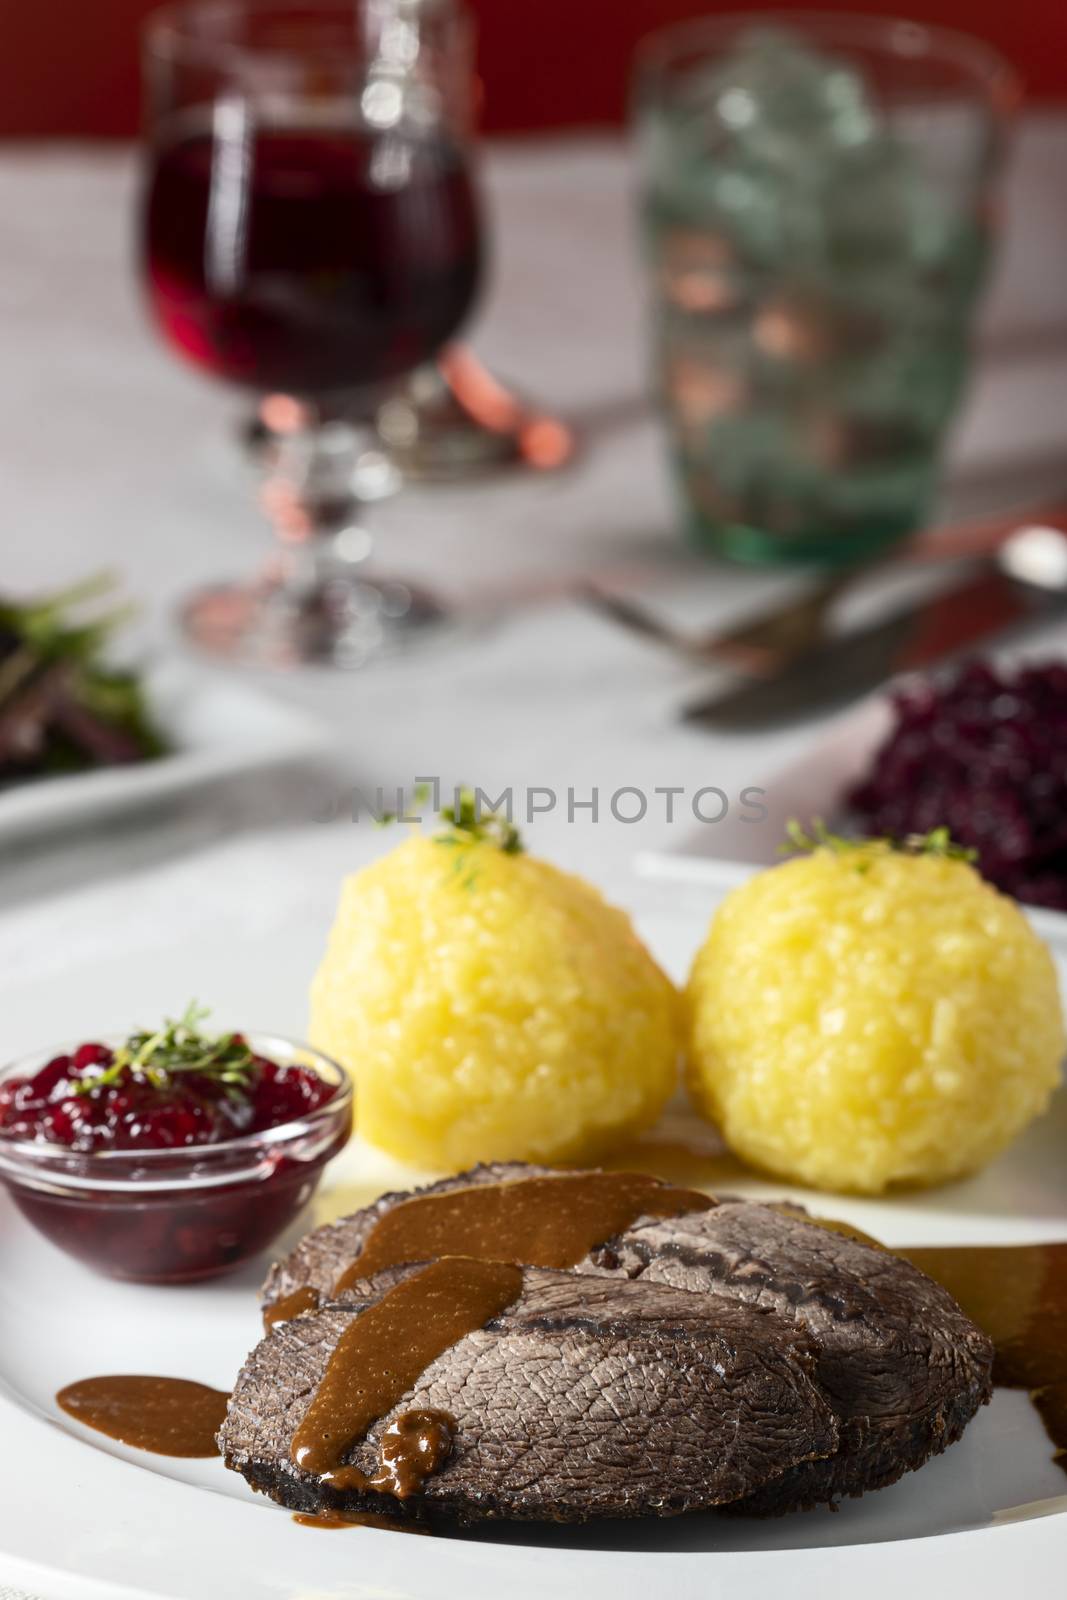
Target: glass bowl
[175, 1216]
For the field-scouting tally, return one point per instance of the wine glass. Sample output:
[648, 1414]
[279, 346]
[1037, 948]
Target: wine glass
[310, 229]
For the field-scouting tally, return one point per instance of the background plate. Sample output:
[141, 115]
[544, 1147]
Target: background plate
[214, 725]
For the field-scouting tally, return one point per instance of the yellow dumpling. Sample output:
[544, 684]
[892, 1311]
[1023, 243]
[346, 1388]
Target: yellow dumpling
[861, 1017]
[491, 1007]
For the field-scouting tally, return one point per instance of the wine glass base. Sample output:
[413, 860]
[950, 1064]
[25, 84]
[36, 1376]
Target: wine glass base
[453, 420]
[344, 624]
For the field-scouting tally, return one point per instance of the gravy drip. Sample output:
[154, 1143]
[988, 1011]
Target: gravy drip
[412, 1447]
[381, 1355]
[291, 1305]
[356, 1519]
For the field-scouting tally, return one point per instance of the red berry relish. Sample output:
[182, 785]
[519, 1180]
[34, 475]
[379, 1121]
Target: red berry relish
[161, 1091]
[982, 751]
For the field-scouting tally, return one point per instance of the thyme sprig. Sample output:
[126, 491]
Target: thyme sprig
[463, 823]
[419, 796]
[937, 843]
[466, 823]
[801, 841]
[178, 1047]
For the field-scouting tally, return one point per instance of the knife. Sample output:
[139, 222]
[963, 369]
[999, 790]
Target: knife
[1023, 583]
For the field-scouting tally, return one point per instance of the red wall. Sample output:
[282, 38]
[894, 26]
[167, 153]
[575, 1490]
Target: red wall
[69, 67]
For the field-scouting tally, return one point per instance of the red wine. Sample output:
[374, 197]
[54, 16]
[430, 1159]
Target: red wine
[310, 260]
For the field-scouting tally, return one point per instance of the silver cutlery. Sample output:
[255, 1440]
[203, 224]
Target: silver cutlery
[1021, 582]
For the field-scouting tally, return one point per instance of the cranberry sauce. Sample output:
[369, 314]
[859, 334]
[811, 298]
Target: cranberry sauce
[178, 1235]
[170, 1155]
[76, 1101]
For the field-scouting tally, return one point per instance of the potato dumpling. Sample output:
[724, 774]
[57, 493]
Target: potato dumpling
[491, 1007]
[864, 1016]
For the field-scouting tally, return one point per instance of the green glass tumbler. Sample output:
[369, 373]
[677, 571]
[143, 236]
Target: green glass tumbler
[817, 203]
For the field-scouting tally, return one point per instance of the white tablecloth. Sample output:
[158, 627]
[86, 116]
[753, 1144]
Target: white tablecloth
[112, 456]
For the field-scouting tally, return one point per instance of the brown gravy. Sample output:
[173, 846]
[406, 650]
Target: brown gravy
[412, 1447]
[540, 1222]
[381, 1354]
[169, 1416]
[291, 1305]
[356, 1519]
[1018, 1295]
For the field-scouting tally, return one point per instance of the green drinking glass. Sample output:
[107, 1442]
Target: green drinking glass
[817, 207]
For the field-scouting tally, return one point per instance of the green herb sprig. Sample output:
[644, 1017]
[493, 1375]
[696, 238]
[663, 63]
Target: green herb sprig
[805, 841]
[464, 824]
[937, 843]
[178, 1047]
[419, 796]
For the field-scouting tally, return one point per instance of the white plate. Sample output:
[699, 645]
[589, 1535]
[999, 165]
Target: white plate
[81, 1517]
[214, 726]
[812, 786]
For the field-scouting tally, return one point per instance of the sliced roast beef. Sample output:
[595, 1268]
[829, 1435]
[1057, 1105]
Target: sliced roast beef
[588, 1397]
[900, 1364]
[903, 1367]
